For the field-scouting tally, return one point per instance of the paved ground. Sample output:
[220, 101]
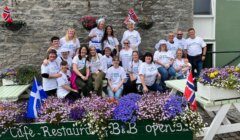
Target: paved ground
[233, 116]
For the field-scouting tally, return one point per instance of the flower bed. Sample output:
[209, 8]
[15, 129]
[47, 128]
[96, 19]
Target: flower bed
[146, 115]
[219, 83]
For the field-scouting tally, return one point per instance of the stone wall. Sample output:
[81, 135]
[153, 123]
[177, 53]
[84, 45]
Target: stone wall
[47, 18]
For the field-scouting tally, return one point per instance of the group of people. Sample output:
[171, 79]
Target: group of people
[71, 70]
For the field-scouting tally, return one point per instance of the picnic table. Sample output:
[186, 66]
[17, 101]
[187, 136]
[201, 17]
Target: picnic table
[216, 109]
[12, 92]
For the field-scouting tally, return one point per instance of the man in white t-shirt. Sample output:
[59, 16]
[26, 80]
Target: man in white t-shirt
[180, 41]
[64, 90]
[195, 51]
[171, 45]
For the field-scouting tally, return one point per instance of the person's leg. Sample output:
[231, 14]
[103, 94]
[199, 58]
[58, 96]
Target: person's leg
[99, 83]
[155, 87]
[199, 68]
[192, 61]
[110, 92]
[118, 93]
[164, 73]
[51, 92]
[172, 72]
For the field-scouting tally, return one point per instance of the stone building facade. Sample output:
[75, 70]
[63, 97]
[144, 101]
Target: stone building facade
[47, 18]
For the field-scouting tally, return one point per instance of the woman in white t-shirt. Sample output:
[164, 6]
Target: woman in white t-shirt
[181, 65]
[148, 75]
[70, 42]
[126, 55]
[164, 60]
[109, 40]
[96, 68]
[65, 57]
[96, 34]
[116, 77]
[106, 59]
[49, 74]
[132, 35]
[81, 68]
[64, 89]
[133, 70]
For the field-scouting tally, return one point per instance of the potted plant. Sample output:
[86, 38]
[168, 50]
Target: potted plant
[25, 74]
[15, 25]
[8, 76]
[219, 83]
[145, 23]
[88, 22]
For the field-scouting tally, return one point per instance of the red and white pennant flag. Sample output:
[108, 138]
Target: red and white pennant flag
[189, 93]
[131, 15]
[6, 15]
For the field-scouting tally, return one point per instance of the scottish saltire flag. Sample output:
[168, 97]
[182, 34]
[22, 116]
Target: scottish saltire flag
[189, 93]
[37, 96]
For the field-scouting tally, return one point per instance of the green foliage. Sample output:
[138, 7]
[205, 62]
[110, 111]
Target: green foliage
[25, 74]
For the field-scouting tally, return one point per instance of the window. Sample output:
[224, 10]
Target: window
[202, 7]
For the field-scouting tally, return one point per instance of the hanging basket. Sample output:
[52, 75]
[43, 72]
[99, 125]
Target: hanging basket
[145, 25]
[88, 22]
[15, 25]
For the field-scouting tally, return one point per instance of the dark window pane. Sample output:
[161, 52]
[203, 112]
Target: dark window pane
[202, 7]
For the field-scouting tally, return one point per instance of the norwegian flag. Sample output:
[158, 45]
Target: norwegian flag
[6, 15]
[189, 93]
[131, 15]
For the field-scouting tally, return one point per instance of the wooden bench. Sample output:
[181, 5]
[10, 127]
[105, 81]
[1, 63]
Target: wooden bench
[13, 92]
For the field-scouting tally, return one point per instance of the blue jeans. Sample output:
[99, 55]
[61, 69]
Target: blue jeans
[115, 95]
[197, 63]
[166, 74]
[155, 87]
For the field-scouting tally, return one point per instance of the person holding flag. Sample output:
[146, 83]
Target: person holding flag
[189, 92]
[132, 35]
[37, 96]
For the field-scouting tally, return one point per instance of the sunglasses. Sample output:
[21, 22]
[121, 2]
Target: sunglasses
[125, 43]
[179, 34]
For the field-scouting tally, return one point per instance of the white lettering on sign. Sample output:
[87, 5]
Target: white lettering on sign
[163, 128]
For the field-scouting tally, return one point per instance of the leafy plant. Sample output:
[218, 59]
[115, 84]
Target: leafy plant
[25, 74]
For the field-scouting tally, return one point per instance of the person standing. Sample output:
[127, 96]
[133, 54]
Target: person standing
[132, 35]
[195, 51]
[179, 40]
[171, 45]
[109, 40]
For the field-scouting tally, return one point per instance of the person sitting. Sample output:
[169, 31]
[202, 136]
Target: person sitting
[49, 74]
[96, 68]
[65, 57]
[64, 90]
[181, 65]
[148, 75]
[133, 69]
[164, 60]
[81, 68]
[116, 77]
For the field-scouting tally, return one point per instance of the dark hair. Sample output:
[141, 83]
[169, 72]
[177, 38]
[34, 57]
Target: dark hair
[190, 29]
[80, 49]
[147, 54]
[105, 35]
[116, 58]
[52, 51]
[54, 38]
[64, 63]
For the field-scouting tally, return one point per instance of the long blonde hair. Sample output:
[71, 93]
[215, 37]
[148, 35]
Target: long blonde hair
[74, 37]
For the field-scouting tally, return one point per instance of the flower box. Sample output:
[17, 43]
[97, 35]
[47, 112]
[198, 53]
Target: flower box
[7, 82]
[144, 129]
[215, 93]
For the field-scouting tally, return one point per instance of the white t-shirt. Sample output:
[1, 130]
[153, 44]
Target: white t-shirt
[125, 56]
[134, 68]
[149, 71]
[63, 80]
[71, 45]
[96, 41]
[51, 68]
[163, 57]
[181, 43]
[194, 46]
[96, 64]
[106, 63]
[112, 42]
[68, 60]
[133, 37]
[177, 64]
[116, 75]
[80, 63]
[172, 47]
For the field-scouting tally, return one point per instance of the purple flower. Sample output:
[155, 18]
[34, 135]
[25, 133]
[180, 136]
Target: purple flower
[77, 113]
